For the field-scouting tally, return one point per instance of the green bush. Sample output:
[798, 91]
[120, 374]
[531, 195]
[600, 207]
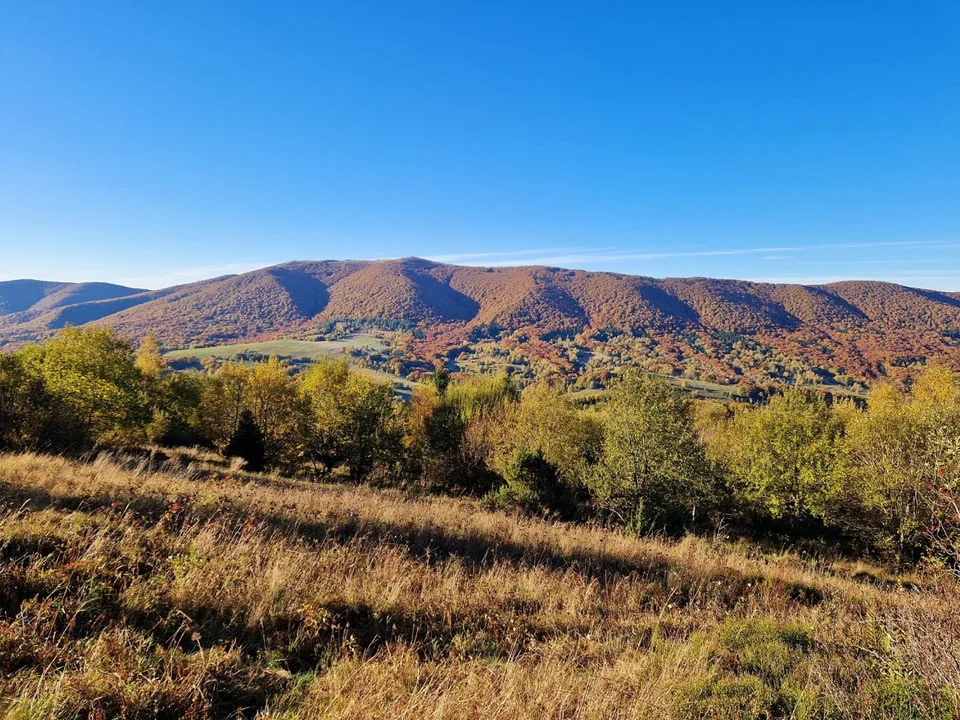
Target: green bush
[763, 648]
[653, 472]
[533, 487]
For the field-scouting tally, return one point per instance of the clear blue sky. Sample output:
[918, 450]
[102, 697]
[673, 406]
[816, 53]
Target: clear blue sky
[158, 142]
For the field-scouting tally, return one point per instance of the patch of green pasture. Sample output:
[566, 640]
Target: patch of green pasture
[311, 350]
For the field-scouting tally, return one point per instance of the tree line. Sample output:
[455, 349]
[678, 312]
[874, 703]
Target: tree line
[881, 478]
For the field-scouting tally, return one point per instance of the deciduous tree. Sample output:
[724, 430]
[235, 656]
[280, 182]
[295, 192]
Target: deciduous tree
[92, 371]
[653, 472]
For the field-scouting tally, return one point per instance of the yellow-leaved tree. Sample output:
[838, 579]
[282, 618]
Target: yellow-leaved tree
[899, 466]
[92, 371]
[355, 421]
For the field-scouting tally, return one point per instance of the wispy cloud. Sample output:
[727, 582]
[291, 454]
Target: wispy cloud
[606, 255]
[943, 280]
[613, 258]
[490, 257]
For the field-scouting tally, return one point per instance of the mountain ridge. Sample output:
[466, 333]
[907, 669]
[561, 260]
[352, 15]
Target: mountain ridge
[863, 328]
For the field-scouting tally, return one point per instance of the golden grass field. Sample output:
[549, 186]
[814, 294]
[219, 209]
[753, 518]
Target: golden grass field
[138, 589]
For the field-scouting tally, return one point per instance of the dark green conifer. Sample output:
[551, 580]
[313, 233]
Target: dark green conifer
[247, 443]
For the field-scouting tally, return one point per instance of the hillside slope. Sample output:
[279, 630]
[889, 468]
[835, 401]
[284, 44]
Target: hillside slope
[864, 329]
[31, 298]
[195, 593]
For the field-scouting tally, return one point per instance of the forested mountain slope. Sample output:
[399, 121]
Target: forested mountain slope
[36, 297]
[863, 329]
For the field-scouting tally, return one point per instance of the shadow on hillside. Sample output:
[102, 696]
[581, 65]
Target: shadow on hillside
[322, 635]
[309, 295]
[427, 543]
[935, 296]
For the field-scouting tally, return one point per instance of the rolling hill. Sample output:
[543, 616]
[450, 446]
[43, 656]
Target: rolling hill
[726, 329]
[29, 298]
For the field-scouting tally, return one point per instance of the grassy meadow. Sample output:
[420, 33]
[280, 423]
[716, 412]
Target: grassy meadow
[172, 586]
[307, 349]
[303, 351]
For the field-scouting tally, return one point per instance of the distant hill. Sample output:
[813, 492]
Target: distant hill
[728, 329]
[38, 296]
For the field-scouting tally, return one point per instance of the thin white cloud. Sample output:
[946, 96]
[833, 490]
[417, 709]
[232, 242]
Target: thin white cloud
[941, 280]
[606, 256]
[488, 256]
[601, 256]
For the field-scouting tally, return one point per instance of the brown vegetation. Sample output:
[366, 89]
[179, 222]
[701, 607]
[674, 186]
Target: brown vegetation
[722, 329]
[139, 591]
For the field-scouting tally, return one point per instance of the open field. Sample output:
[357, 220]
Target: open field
[715, 391]
[696, 388]
[304, 350]
[188, 592]
[401, 386]
[311, 350]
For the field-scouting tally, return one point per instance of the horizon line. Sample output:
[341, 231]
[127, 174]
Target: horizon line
[811, 280]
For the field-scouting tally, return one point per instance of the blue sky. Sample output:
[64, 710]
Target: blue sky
[151, 143]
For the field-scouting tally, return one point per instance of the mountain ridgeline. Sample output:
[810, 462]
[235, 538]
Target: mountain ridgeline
[862, 329]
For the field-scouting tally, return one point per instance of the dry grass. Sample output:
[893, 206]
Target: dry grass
[127, 592]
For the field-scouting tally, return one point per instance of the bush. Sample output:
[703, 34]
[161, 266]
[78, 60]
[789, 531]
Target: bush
[353, 420]
[780, 457]
[762, 667]
[92, 371]
[533, 487]
[728, 698]
[899, 470]
[31, 416]
[454, 437]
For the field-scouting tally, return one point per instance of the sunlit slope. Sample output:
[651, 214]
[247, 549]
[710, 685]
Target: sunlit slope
[195, 592]
[858, 327]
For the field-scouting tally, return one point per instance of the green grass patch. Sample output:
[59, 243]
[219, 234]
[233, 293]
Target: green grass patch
[311, 350]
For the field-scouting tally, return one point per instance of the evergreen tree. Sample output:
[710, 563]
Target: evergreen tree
[247, 443]
[441, 379]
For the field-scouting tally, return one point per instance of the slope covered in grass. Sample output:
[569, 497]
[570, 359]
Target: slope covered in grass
[181, 591]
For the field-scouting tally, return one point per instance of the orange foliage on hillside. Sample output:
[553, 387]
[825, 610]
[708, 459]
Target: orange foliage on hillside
[858, 329]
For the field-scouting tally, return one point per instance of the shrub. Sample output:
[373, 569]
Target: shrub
[727, 698]
[353, 420]
[780, 456]
[31, 416]
[533, 487]
[899, 469]
[92, 371]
